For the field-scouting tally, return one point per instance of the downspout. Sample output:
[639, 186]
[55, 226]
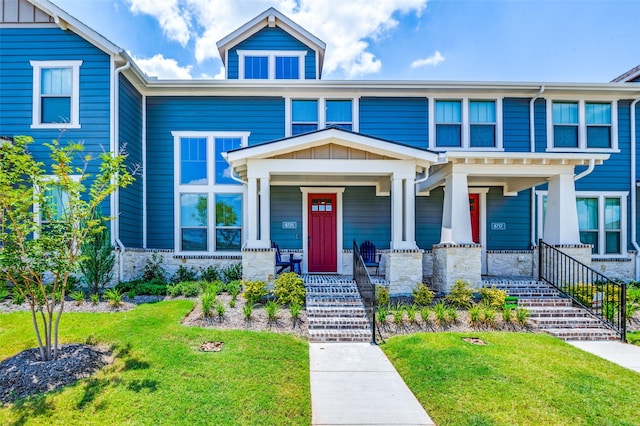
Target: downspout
[634, 188]
[114, 152]
[592, 165]
[532, 148]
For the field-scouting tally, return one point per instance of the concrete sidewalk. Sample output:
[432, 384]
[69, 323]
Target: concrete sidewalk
[620, 353]
[355, 384]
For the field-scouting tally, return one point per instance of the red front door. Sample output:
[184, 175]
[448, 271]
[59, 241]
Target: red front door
[474, 209]
[322, 233]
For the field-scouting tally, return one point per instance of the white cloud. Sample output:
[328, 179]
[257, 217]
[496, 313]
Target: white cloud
[347, 28]
[432, 60]
[161, 67]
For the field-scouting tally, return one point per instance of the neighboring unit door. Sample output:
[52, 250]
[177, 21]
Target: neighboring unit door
[474, 210]
[322, 233]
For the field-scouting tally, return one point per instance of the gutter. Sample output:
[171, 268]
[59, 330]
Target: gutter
[634, 189]
[532, 148]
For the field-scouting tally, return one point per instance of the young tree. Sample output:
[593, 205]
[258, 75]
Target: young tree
[45, 219]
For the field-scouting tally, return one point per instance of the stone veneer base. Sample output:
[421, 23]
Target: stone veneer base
[452, 262]
[403, 270]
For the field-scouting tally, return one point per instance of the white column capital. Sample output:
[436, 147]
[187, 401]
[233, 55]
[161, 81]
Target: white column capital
[456, 219]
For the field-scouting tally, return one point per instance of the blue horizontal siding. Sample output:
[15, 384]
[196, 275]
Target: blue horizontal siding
[366, 217]
[429, 219]
[262, 116]
[131, 201]
[515, 212]
[272, 39]
[515, 124]
[540, 118]
[286, 206]
[21, 45]
[403, 120]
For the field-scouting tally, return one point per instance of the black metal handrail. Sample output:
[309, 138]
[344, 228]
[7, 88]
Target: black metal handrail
[602, 297]
[366, 288]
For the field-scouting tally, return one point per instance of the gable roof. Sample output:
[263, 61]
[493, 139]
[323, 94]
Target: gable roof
[271, 17]
[628, 76]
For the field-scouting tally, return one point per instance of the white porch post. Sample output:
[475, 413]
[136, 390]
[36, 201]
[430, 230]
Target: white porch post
[410, 212]
[396, 212]
[265, 212]
[561, 221]
[252, 209]
[456, 219]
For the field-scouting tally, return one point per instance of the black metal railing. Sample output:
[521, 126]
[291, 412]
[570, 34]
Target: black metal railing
[366, 289]
[601, 296]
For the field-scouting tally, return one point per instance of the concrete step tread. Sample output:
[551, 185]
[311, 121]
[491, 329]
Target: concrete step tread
[335, 312]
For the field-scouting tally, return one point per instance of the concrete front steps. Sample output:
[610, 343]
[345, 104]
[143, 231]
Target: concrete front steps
[335, 312]
[552, 312]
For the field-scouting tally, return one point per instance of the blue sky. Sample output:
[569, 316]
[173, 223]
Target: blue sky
[471, 40]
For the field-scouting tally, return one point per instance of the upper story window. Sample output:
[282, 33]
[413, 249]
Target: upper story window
[208, 203]
[56, 94]
[271, 64]
[465, 123]
[307, 115]
[578, 125]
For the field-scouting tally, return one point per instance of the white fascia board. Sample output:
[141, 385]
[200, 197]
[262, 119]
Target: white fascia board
[400, 168]
[525, 158]
[66, 21]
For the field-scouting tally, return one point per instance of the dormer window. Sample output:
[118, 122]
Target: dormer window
[271, 65]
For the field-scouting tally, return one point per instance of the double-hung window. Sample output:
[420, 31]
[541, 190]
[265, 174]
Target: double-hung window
[307, 115]
[209, 201]
[271, 64]
[56, 94]
[465, 123]
[601, 221]
[578, 125]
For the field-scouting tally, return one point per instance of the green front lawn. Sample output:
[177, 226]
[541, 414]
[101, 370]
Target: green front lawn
[160, 377]
[517, 379]
[634, 338]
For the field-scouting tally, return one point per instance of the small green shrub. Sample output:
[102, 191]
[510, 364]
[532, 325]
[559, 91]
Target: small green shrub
[272, 307]
[247, 311]
[184, 274]
[94, 298]
[232, 272]
[489, 315]
[57, 296]
[113, 297]
[493, 297]
[461, 294]
[452, 315]
[186, 289]
[208, 301]
[381, 314]
[155, 287]
[289, 288]
[254, 290]
[440, 313]
[382, 296]
[631, 310]
[216, 287]
[153, 269]
[423, 295]
[78, 297]
[4, 292]
[233, 288]
[210, 274]
[220, 310]
[16, 297]
[412, 312]
[398, 315]
[424, 314]
[522, 315]
[474, 316]
[131, 294]
[232, 303]
[294, 310]
[633, 294]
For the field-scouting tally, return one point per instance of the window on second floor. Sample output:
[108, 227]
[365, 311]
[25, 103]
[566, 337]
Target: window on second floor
[256, 67]
[312, 114]
[270, 64]
[578, 125]
[56, 97]
[465, 123]
[339, 113]
[304, 116]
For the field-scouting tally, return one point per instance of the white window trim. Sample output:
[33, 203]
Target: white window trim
[466, 124]
[322, 108]
[210, 189]
[271, 60]
[75, 94]
[582, 125]
[36, 206]
[622, 195]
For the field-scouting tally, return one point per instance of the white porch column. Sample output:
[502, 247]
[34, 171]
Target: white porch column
[456, 219]
[252, 209]
[561, 221]
[396, 212]
[265, 212]
[410, 212]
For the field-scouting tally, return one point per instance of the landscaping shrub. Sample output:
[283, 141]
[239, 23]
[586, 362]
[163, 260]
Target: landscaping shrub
[4, 292]
[113, 297]
[78, 296]
[184, 274]
[232, 272]
[381, 314]
[489, 316]
[424, 314]
[475, 316]
[461, 294]
[210, 274]
[98, 259]
[382, 296]
[94, 298]
[247, 311]
[16, 297]
[493, 297]
[254, 290]
[294, 310]
[440, 312]
[507, 316]
[186, 289]
[289, 288]
[208, 300]
[155, 287]
[233, 288]
[422, 295]
[522, 315]
[220, 310]
[153, 269]
[272, 307]
[412, 312]
[215, 287]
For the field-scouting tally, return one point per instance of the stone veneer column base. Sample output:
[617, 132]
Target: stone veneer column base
[258, 264]
[403, 270]
[452, 262]
[580, 252]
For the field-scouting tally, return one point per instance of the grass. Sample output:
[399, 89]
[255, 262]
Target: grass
[517, 379]
[634, 338]
[160, 377]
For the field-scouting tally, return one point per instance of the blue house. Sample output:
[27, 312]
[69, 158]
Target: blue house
[449, 180]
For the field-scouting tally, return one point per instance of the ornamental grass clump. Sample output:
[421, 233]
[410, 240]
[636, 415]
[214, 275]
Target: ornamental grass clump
[412, 312]
[440, 313]
[381, 314]
[289, 288]
[294, 311]
[522, 315]
[424, 314]
[113, 297]
[247, 311]
[272, 307]
[489, 317]
[475, 316]
[78, 297]
[507, 316]
[208, 301]
[220, 310]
